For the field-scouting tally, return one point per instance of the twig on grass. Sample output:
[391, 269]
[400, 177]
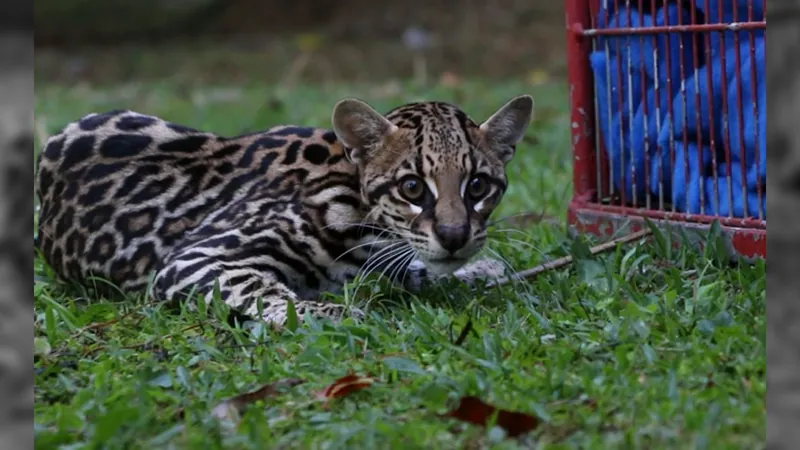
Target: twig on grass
[566, 260]
[144, 345]
[107, 323]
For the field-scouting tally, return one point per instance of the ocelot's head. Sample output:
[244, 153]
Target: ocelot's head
[430, 174]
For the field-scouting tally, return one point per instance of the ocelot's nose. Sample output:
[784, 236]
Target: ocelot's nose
[452, 236]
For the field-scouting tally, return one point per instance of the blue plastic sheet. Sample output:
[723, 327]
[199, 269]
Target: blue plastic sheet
[638, 78]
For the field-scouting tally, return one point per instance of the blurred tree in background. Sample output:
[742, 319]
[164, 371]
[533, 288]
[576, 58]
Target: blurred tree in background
[313, 40]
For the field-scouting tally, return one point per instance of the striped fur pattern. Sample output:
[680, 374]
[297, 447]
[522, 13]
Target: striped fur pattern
[285, 214]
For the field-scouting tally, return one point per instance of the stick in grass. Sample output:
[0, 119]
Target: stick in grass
[566, 260]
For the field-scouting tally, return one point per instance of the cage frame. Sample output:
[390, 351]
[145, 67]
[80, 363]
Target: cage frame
[746, 238]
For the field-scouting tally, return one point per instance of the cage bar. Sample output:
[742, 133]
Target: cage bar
[680, 88]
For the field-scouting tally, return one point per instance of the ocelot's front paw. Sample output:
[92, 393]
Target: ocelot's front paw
[333, 311]
[488, 269]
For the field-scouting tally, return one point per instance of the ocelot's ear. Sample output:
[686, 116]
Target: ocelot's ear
[359, 127]
[506, 127]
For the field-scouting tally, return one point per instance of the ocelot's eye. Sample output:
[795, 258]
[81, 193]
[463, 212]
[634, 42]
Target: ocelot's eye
[412, 188]
[477, 187]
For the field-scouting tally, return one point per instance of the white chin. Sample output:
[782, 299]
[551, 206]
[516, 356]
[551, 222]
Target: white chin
[442, 268]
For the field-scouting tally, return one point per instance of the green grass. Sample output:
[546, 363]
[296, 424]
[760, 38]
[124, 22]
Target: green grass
[646, 346]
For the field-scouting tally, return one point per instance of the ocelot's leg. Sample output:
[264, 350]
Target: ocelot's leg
[241, 284]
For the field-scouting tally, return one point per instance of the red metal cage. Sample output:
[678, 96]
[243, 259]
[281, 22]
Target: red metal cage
[707, 147]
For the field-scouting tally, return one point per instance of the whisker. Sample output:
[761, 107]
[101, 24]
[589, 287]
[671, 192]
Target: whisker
[508, 230]
[362, 245]
[352, 224]
[510, 268]
[389, 256]
[539, 217]
[378, 263]
[386, 262]
[375, 261]
[392, 264]
[401, 266]
[500, 258]
[414, 254]
[526, 244]
[375, 241]
[395, 240]
[401, 262]
[380, 255]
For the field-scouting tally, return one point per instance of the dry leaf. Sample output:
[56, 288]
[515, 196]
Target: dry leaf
[344, 386]
[230, 409]
[473, 410]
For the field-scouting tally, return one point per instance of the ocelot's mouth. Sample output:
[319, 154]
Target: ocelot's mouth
[450, 260]
[445, 266]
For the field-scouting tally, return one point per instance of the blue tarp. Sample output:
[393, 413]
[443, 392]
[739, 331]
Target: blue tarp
[635, 133]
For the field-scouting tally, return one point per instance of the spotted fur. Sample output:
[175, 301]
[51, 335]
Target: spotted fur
[284, 214]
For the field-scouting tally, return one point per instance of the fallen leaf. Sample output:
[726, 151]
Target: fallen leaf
[229, 410]
[475, 411]
[344, 386]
